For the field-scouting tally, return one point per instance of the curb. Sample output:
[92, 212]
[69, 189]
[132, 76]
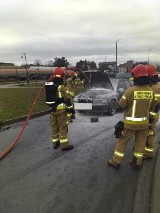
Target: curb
[23, 118]
[145, 185]
[155, 207]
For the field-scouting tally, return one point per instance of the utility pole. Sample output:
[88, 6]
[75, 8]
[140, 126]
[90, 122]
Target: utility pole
[148, 54]
[25, 57]
[116, 54]
[105, 62]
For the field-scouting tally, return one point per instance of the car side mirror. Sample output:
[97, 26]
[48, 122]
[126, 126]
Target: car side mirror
[120, 90]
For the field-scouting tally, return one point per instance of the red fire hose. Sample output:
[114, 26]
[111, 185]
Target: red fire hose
[2, 155]
[24, 125]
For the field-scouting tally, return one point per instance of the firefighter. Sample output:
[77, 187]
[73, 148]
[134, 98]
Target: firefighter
[79, 82]
[155, 86]
[58, 118]
[137, 101]
[72, 88]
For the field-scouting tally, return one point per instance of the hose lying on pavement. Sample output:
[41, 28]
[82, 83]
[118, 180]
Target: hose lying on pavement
[2, 155]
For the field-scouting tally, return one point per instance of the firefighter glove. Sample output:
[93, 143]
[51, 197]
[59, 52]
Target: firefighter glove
[119, 129]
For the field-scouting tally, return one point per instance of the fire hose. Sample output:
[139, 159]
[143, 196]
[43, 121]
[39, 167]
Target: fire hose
[2, 155]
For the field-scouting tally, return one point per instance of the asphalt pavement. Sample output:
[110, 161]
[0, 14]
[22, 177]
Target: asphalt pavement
[37, 179]
[155, 205]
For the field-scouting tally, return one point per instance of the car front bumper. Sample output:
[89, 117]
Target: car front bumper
[91, 107]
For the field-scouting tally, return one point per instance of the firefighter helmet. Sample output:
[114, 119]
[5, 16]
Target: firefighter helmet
[151, 70]
[139, 71]
[59, 72]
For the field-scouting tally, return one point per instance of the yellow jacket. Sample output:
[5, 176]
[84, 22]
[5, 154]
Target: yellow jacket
[137, 102]
[71, 85]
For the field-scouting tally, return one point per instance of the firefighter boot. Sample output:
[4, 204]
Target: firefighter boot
[134, 164]
[73, 117]
[113, 164]
[56, 145]
[68, 148]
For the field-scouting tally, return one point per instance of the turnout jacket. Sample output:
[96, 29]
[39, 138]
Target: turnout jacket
[64, 95]
[156, 90]
[137, 102]
[71, 85]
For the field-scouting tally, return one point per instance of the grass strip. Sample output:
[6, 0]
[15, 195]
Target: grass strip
[16, 102]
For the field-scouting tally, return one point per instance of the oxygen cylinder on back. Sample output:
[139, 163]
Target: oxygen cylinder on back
[51, 94]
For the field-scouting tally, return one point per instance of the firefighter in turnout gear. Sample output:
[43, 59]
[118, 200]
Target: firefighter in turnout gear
[155, 86]
[58, 98]
[72, 88]
[137, 101]
[79, 81]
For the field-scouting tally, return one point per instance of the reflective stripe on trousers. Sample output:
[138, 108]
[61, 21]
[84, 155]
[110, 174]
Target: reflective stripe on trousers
[148, 149]
[119, 154]
[63, 140]
[138, 155]
[55, 138]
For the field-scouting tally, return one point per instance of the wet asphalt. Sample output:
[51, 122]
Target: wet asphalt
[35, 178]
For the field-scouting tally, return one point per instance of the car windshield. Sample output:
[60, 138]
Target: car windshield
[114, 83]
[97, 91]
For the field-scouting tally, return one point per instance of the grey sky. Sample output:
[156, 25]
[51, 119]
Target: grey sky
[79, 29]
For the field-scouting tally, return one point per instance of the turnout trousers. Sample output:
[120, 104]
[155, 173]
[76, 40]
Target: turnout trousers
[121, 145]
[58, 121]
[71, 112]
[150, 142]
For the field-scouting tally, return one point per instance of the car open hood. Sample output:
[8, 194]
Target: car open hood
[92, 93]
[98, 80]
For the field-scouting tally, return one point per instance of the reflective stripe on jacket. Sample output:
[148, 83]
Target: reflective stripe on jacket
[139, 121]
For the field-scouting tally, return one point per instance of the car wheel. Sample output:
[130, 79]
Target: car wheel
[112, 108]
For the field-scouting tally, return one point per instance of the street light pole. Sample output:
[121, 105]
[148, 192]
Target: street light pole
[148, 54]
[25, 57]
[116, 54]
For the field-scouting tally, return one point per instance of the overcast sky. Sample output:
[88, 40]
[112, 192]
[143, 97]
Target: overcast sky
[79, 29]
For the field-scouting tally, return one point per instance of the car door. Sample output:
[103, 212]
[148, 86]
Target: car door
[121, 88]
[127, 83]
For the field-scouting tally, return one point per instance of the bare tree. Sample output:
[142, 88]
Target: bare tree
[38, 62]
[50, 63]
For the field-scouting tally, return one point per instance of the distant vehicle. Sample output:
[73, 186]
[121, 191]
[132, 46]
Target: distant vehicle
[102, 95]
[125, 75]
[20, 72]
[110, 73]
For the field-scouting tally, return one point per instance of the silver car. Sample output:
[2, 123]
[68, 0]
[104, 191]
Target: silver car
[102, 94]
